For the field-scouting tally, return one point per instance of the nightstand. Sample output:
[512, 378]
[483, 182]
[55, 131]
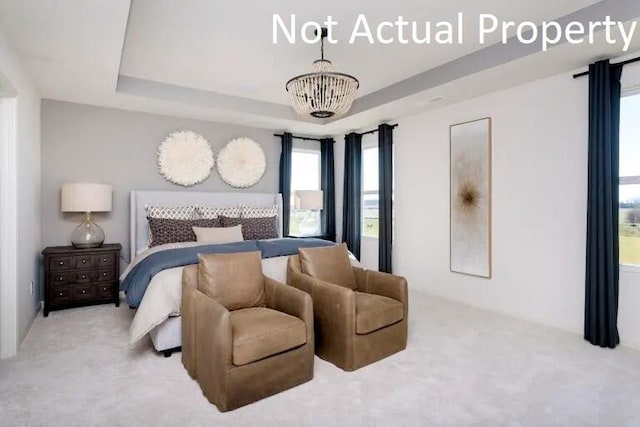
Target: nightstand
[79, 277]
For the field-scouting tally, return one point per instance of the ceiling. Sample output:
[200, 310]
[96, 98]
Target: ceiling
[215, 60]
[217, 46]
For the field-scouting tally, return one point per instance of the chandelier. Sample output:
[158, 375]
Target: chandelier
[322, 93]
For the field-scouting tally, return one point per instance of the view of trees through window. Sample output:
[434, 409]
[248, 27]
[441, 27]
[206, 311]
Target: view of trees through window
[370, 223]
[630, 180]
[305, 175]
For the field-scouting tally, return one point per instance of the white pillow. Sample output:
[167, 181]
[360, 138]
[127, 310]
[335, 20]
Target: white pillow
[219, 234]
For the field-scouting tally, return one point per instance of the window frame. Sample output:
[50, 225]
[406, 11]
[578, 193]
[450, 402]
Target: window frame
[368, 146]
[318, 154]
[629, 180]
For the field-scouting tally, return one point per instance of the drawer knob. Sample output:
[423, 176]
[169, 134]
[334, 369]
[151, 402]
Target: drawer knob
[104, 274]
[60, 279]
[83, 277]
[61, 263]
[60, 294]
[84, 291]
[104, 289]
[84, 261]
[104, 260]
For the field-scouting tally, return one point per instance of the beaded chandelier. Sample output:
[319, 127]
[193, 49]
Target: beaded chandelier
[322, 93]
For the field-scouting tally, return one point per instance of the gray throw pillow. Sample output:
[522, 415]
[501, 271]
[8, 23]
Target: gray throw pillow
[254, 228]
[176, 230]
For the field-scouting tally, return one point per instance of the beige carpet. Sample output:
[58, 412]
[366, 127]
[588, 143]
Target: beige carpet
[463, 366]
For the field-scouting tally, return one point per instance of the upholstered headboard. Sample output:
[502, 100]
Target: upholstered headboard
[140, 199]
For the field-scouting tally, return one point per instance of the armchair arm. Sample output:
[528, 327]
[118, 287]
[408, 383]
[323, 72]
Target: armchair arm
[214, 346]
[384, 284]
[334, 313]
[299, 280]
[291, 301]
[190, 275]
[334, 309]
[206, 337]
[332, 304]
[188, 313]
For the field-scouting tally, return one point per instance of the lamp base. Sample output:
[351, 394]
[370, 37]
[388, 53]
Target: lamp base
[87, 235]
[309, 226]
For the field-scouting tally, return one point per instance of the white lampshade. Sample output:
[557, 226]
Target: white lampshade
[83, 197]
[311, 200]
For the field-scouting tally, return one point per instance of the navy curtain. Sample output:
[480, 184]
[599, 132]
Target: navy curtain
[352, 200]
[328, 186]
[385, 189]
[601, 287]
[285, 180]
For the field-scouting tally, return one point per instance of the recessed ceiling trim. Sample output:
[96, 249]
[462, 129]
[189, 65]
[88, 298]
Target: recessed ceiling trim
[122, 44]
[173, 93]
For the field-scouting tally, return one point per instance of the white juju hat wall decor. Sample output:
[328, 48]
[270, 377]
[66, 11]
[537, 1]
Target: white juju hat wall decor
[241, 163]
[185, 158]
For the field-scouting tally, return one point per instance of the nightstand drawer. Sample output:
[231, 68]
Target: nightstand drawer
[83, 261]
[106, 290]
[60, 278]
[85, 276]
[60, 263]
[106, 275]
[61, 294]
[84, 292]
[106, 260]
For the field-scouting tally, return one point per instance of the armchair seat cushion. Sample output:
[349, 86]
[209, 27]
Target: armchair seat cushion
[262, 332]
[374, 312]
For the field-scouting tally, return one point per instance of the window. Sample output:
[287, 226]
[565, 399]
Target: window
[630, 180]
[305, 175]
[370, 193]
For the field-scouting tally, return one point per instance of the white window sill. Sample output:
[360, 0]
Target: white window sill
[630, 270]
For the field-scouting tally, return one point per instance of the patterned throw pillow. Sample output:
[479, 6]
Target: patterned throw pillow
[176, 230]
[254, 228]
[175, 212]
[209, 212]
[258, 212]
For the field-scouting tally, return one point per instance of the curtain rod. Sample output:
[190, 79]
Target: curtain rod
[304, 138]
[376, 130]
[628, 61]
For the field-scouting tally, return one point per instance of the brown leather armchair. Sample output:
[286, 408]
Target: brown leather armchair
[360, 315]
[244, 335]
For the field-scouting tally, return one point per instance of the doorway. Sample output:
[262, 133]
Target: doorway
[8, 220]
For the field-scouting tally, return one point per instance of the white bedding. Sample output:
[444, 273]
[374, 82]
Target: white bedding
[163, 297]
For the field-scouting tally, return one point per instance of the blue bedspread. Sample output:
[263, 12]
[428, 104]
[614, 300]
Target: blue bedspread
[136, 282]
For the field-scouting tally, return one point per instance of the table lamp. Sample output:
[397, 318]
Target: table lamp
[309, 200]
[87, 198]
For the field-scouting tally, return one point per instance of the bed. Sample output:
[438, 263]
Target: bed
[158, 311]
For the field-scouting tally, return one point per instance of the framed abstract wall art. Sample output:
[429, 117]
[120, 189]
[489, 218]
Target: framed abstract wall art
[470, 198]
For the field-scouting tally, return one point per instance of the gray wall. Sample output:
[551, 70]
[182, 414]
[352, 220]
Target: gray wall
[82, 143]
